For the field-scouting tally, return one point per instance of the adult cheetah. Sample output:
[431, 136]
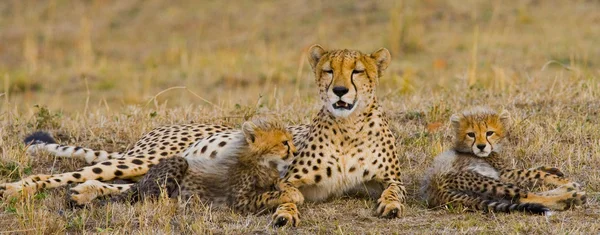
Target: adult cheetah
[475, 175]
[348, 145]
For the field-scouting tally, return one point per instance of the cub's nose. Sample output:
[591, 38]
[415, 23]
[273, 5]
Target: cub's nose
[340, 90]
[481, 146]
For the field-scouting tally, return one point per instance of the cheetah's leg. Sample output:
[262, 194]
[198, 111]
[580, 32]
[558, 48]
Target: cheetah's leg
[473, 182]
[85, 193]
[269, 200]
[165, 177]
[22, 188]
[390, 203]
[107, 170]
[287, 213]
[536, 177]
[450, 197]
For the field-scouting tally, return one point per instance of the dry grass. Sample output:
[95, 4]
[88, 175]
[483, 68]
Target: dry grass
[93, 68]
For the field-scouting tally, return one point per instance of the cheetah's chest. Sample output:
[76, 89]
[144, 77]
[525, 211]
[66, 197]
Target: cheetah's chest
[484, 168]
[335, 168]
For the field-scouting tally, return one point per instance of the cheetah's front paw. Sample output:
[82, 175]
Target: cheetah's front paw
[389, 209]
[570, 187]
[15, 190]
[389, 204]
[286, 214]
[85, 193]
[568, 201]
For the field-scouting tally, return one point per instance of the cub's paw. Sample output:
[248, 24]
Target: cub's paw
[569, 200]
[286, 215]
[570, 187]
[551, 170]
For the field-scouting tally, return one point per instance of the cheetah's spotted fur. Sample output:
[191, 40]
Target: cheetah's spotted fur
[476, 176]
[246, 180]
[348, 145]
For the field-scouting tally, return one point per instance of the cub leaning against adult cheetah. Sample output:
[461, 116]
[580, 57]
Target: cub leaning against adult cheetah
[347, 146]
[475, 175]
[244, 179]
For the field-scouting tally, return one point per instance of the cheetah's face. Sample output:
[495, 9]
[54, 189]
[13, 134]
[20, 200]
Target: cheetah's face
[272, 144]
[479, 131]
[347, 78]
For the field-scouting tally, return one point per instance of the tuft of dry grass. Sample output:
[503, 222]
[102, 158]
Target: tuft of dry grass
[98, 73]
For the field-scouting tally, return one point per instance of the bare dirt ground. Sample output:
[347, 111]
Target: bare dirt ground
[101, 73]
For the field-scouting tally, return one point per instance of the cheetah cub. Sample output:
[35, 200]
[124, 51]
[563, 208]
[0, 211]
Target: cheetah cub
[475, 175]
[244, 179]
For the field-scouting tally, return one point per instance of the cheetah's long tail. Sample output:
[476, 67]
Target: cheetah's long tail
[43, 141]
[497, 205]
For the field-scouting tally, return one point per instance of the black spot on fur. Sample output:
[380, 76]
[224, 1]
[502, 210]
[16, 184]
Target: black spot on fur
[39, 137]
[76, 175]
[317, 178]
[137, 162]
[97, 170]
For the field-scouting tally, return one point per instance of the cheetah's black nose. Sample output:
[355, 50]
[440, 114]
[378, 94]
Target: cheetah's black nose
[340, 90]
[481, 146]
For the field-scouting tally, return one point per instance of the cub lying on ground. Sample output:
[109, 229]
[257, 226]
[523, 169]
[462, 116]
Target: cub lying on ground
[475, 175]
[244, 179]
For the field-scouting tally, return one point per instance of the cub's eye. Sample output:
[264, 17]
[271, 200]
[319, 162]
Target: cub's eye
[471, 134]
[489, 133]
[328, 71]
[357, 71]
[286, 143]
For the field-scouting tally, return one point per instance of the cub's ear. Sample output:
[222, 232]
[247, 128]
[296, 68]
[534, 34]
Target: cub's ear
[504, 117]
[248, 128]
[455, 120]
[315, 53]
[382, 59]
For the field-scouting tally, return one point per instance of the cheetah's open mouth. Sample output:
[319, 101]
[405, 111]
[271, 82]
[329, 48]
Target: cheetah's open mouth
[342, 105]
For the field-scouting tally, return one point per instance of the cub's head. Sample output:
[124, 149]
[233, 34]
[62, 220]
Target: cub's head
[347, 78]
[269, 142]
[479, 130]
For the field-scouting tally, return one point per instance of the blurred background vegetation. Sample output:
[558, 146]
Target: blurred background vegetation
[96, 54]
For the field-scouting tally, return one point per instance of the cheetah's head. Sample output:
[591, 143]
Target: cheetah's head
[347, 78]
[269, 142]
[479, 130]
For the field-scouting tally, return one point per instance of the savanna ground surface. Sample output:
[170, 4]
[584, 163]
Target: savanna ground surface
[102, 73]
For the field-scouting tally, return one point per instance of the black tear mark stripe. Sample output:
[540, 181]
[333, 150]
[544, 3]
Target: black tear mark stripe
[354, 86]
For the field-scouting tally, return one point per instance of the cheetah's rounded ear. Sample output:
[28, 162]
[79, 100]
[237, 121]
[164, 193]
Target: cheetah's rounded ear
[248, 128]
[504, 116]
[455, 120]
[315, 53]
[382, 59]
